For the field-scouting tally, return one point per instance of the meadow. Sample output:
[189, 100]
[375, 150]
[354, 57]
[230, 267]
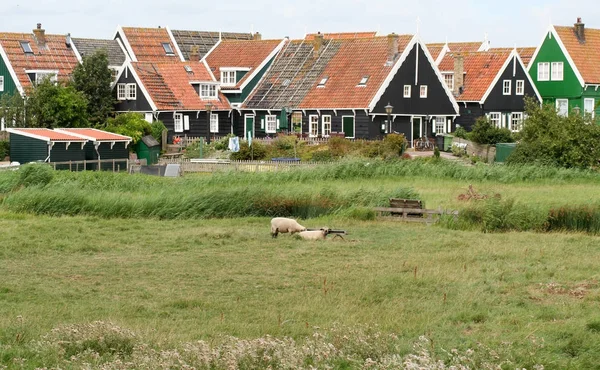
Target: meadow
[172, 288]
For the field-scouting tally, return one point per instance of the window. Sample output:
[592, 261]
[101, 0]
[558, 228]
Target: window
[214, 122]
[557, 71]
[297, 119]
[1, 83]
[449, 80]
[515, 121]
[148, 117]
[562, 107]
[168, 48]
[543, 71]
[271, 127]
[326, 126]
[178, 122]
[520, 88]
[186, 122]
[323, 81]
[407, 91]
[41, 76]
[26, 47]
[314, 126]
[228, 78]
[588, 106]
[423, 92]
[131, 91]
[121, 91]
[495, 119]
[507, 87]
[440, 124]
[363, 81]
[208, 91]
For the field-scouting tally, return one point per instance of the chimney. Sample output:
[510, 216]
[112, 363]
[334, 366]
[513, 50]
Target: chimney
[459, 70]
[580, 31]
[40, 35]
[317, 44]
[257, 36]
[68, 40]
[195, 54]
[392, 47]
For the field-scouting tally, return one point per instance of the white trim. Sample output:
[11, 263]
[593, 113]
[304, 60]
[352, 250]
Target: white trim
[353, 126]
[440, 78]
[242, 69]
[267, 130]
[224, 91]
[2, 83]
[11, 71]
[228, 73]
[209, 70]
[522, 83]
[74, 47]
[211, 50]
[253, 124]
[273, 53]
[323, 125]
[178, 127]
[593, 112]
[557, 106]
[310, 134]
[507, 84]
[23, 132]
[210, 122]
[562, 71]
[181, 58]
[91, 138]
[417, 65]
[539, 77]
[126, 43]
[407, 89]
[141, 86]
[421, 94]
[123, 50]
[443, 52]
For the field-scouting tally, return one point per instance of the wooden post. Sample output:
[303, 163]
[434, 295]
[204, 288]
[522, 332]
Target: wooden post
[54, 166]
[163, 140]
[99, 164]
[84, 166]
[113, 165]
[70, 169]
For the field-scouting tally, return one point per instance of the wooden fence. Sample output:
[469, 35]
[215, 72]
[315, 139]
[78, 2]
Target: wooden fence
[188, 140]
[427, 216]
[215, 165]
[115, 165]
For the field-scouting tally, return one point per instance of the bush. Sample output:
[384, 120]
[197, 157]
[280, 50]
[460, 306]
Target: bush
[129, 124]
[461, 132]
[156, 129]
[394, 145]
[323, 155]
[256, 151]
[4, 149]
[484, 132]
[339, 146]
[35, 174]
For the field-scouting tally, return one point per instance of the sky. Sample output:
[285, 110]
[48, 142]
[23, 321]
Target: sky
[506, 22]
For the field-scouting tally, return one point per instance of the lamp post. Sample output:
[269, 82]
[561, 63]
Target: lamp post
[388, 110]
[577, 110]
[208, 108]
[284, 110]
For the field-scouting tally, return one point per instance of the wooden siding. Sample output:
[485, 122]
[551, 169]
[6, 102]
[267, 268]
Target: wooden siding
[468, 115]
[60, 152]
[140, 104]
[119, 151]
[25, 149]
[9, 85]
[199, 126]
[497, 101]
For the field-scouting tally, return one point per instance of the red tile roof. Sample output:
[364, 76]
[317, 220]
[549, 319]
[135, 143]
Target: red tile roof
[56, 55]
[50, 135]
[240, 53]
[342, 35]
[480, 70]
[97, 135]
[435, 49]
[146, 44]
[170, 85]
[586, 56]
[463, 47]
[355, 59]
[526, 53]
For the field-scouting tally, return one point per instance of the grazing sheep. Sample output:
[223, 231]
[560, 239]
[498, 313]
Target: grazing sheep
[320, 234]
[285, 225]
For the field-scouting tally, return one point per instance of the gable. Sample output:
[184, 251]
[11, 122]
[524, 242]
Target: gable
[140, 104]
[437, 102]
[10, 87]
[496, 100]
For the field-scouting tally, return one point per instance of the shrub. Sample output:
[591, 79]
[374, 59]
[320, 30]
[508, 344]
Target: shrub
[4, 149]
[156, 129]
[35, 174]
[461, 132]
[484, 132]
[223, 143]
[394, 145]
[129, 124]
[322, 155]
[257, 151]
[339, 146]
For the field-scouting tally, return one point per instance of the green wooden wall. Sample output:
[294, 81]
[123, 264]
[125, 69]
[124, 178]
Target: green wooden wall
[24, 149]
[9, 84]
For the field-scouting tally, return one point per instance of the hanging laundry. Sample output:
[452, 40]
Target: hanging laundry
[234, 144]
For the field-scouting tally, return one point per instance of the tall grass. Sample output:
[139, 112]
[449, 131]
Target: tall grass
[575, 218]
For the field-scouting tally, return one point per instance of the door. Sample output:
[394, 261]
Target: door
[348, 126]
[417, 123]
[248, 125]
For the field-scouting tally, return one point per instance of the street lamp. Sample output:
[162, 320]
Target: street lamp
[576, 110]
[388, 110]
[208, 108]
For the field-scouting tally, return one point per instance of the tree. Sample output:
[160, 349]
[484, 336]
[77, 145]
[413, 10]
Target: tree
[93, 78]
[54, 105]
[129, 124]
[13, 110]
[484, 132]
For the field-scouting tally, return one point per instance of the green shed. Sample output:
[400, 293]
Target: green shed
[44, 145]
[149, 149]
[503, 150]
[108, 147]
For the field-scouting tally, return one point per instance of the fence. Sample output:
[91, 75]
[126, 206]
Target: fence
[115, 165]
[201, 165]
[427, 216]
[188, 140]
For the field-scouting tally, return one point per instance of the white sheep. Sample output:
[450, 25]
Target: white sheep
[320, 234]
[285, 225]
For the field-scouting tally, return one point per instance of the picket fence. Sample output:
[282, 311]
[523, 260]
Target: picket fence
[216, 165]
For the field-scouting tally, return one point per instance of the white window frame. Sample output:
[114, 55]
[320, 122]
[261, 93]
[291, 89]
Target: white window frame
[506, 87]
[214, 123]
[557, 71]
[407, 91]
[520, 87]
[313, 125]
[40, 76]
[440, 124]
[516, 120]
[131, 91]
[210, 93]
[186, 122]
[496, 119]
[323, 82]
[178, 122]
[148, 117]
[271, 124]
[566, 112]
[449, 80]
[593, 106]
[168, 48]
[228, 78]
[543, 71]
[363, 81]
[423, 91]
[26, 46]
[121, 91]
[326, 126]
[1, 83]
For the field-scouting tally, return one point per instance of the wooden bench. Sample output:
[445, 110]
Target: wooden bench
[407, 204]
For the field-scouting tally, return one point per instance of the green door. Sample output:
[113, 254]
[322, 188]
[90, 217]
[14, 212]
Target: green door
[416, 129]
[249, 125]
[348, 126]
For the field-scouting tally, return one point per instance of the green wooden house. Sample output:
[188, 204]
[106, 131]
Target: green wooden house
[566, 68]
[44, 145]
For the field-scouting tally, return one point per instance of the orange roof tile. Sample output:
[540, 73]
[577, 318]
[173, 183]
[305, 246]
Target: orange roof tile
[56, 55]
[146, 44]
[355, 59]
[526, 53]
[170, 85]
[240, 53]
[586, 56]
[97, 135]
[435, 49]
[480, 70]
[463, 47]
[342, 35]
[47, 134]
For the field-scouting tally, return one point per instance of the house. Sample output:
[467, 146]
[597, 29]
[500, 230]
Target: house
[440, 50]
[149, 44]
[114, 49]
[320, 85]
[199, 43]
[490, 83]
[26, 59]
[45, 145]
[239, 65]
[102, 145]
[566, 68]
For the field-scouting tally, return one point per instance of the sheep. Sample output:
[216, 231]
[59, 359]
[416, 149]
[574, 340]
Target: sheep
[285, 225]
[320, 234]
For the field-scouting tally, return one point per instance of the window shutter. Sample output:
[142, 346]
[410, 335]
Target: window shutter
[278, 123]
[449, 127]
[186, 122]
[262, 123]
[433, 126]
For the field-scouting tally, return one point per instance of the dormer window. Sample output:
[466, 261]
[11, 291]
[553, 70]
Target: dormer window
[208, 91]
[323, 81]
[363, 81]
[228, 78]
[188, 69]
[37, 76]
[168, 48]
[26, 47]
